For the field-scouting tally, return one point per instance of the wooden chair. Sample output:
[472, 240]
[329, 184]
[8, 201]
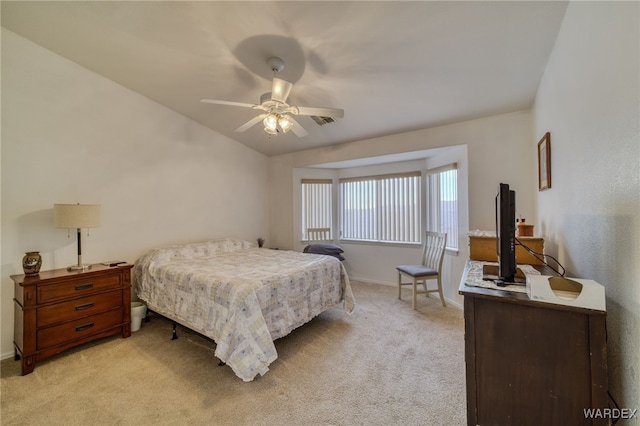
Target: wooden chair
[316, 235]
[319, 242]
[430, 269]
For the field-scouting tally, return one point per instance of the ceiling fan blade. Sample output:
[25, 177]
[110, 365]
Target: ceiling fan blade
[319, 112]
[214, 101]
[297, 128]
[280, 90]
[250, 123]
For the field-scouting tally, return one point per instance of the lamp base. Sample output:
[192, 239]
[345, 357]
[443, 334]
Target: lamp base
[78, 267]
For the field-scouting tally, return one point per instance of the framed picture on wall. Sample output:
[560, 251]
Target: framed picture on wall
[544, 162]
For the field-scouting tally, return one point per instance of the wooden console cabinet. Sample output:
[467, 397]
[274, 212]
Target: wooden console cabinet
[59, 309]
[532, 363]
[484, 248]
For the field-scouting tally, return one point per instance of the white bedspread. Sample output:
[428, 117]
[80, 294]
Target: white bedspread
[241, 296]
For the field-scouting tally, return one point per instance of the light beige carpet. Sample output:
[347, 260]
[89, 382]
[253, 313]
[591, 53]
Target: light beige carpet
[385, 364]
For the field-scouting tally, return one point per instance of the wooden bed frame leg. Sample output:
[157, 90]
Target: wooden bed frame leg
[174, 336]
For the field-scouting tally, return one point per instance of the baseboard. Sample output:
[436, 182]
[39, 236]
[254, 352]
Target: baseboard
[454, 304]
[369, 280]
[7, 355]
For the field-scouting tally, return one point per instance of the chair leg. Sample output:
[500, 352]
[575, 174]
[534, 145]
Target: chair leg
[415, 291]
[414, 295]
[440, 291]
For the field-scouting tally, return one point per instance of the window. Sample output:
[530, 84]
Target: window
[316, 205]
[382, 208]
[443, 203]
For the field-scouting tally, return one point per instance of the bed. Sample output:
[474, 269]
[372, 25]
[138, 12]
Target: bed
[241, 296]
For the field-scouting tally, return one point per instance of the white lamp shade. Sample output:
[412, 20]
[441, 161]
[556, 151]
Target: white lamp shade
[285, 124]
[76, 215]
[270, 123]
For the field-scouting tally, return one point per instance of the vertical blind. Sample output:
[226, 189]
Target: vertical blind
[443, 211]
[316, 205]
[381, 208]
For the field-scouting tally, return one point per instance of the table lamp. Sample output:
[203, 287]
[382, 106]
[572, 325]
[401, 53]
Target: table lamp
[76, 216]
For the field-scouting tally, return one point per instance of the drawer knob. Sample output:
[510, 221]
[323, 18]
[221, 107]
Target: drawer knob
[84, 327]
[84, 286]
[85, 306]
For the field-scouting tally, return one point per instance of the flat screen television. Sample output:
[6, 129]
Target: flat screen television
[506, 234]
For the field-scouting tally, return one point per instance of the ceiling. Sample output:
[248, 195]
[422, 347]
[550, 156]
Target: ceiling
[392, 66]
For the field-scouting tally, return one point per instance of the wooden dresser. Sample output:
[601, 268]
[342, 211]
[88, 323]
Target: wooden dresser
[532, 363]
[59, 309]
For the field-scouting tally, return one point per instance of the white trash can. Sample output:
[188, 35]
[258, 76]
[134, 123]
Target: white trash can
[138, 312]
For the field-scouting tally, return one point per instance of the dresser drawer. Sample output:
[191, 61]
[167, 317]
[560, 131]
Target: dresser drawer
[89, 305]
[78, 329]
[77, 288]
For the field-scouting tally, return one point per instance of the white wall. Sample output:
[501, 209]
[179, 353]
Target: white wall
[498, 149]
[69, 135]
[589, 100]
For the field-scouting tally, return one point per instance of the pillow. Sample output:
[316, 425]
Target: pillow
[328, 249]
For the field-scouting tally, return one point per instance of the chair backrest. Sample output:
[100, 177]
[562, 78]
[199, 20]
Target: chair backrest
[434, 246]
[318, 234]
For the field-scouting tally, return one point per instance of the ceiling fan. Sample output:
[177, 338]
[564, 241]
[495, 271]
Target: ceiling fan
[277, 116]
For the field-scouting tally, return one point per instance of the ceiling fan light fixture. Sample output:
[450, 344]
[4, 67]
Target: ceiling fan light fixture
[270, 124]
[284, 123]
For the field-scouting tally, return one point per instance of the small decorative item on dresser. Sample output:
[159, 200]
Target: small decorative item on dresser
[31, 262]
[260, 242]
[524, 229]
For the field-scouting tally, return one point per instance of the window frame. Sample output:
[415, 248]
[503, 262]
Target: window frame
[434, 205]
[328, 215]
[375, 230]
[426, 217]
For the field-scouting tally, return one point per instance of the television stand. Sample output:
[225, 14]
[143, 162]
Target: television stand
[490, 273]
